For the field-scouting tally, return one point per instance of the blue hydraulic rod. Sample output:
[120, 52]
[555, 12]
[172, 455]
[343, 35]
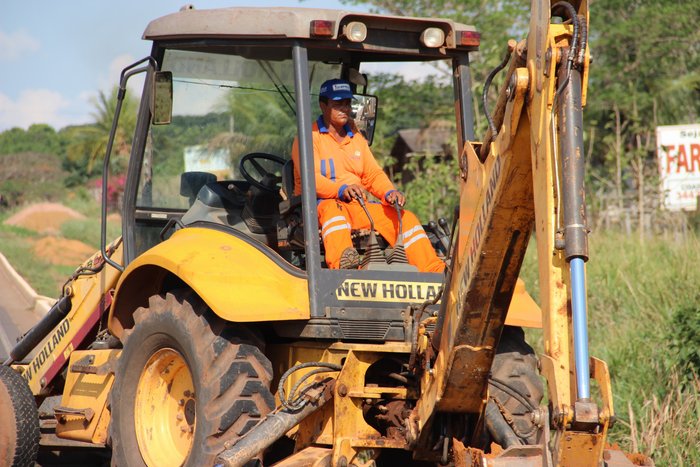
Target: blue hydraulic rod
[574, 230]
[580, 323]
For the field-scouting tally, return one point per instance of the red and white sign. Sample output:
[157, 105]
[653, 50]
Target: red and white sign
[678, 154]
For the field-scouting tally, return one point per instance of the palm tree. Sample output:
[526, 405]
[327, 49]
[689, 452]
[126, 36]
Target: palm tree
[259, 120]
[90, 141]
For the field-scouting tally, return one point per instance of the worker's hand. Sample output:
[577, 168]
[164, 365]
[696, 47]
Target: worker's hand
[396, 196]
[353, 192]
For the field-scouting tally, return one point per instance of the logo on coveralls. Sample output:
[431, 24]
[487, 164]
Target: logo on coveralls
[387, 291]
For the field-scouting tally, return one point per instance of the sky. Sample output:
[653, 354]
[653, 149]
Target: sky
[55, 56]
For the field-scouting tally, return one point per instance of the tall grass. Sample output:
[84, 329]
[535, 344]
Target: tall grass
[667, 428]
[635, 291]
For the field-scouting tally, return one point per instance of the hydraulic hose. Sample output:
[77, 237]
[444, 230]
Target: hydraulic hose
[498, 428]
[289, 401]
[484, 94]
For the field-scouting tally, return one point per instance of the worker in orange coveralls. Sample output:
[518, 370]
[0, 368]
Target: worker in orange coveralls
[344, 165]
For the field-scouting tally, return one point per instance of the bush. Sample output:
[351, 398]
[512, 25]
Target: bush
[684, 340]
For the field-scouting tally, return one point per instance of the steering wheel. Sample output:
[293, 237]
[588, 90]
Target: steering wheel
[254, 159]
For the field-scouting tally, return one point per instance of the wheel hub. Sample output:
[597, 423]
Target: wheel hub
[164, 409]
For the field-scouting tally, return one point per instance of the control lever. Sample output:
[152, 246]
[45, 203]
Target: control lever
[398, 254]
[440, 233]
[361, 200]
[373, 254]
[445, 226]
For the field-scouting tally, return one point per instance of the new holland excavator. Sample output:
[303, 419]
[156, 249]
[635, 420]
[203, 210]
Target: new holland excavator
[212, 333]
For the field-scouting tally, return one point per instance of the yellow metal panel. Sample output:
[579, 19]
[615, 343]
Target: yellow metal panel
[237, 281]
[313, 456]
[552, 265]
[580, 449]
[87, 391]
[523, 311]
[87, 294]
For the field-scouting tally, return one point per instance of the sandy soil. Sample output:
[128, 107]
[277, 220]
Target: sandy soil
[46, 218]
[56, 250]
[114, 217]
[43, 217]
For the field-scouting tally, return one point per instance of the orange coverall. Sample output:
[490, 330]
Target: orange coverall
[338, 165]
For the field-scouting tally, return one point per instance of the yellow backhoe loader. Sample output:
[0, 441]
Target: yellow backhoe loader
[213, 333]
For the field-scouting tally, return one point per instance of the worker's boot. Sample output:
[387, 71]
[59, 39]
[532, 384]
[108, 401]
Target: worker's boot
[350, 259]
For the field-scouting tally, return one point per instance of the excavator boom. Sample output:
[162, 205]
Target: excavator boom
[527, 173]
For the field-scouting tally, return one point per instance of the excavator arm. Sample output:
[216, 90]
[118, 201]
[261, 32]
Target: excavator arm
[528, 173]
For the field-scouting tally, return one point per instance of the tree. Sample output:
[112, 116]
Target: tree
[259, 119]
[39, 138]
[90, 142]
[407, 104]
[496, 22]
[645, 74]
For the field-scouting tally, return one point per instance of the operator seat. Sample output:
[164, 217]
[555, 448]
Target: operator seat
[289, 199]
[290, 232]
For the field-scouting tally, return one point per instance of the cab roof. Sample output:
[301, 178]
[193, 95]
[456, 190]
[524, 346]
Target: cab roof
[286, 23]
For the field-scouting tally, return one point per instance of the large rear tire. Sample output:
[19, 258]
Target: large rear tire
[19, 420]
[515, 383]
[186, 385]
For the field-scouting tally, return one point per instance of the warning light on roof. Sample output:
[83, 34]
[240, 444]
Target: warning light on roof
[468, 38]
[322, 28]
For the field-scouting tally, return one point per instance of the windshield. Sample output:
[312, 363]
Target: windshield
[224, 107]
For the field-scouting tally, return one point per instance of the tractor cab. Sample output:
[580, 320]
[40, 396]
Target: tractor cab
[228, 93]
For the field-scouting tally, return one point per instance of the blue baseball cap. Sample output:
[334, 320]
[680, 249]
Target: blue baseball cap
[336, 90]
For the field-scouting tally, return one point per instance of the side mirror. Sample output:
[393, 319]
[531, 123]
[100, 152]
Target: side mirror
[162, 98]
[364, 112]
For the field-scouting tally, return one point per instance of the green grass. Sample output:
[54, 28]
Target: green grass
[44, 277]
[88, 231]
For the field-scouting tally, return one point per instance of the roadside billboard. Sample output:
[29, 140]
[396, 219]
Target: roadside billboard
[678, 155]
[215, 161]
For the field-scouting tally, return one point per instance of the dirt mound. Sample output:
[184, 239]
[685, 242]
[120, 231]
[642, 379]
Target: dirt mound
[115, 217]
[62, 251]
[43, 217]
